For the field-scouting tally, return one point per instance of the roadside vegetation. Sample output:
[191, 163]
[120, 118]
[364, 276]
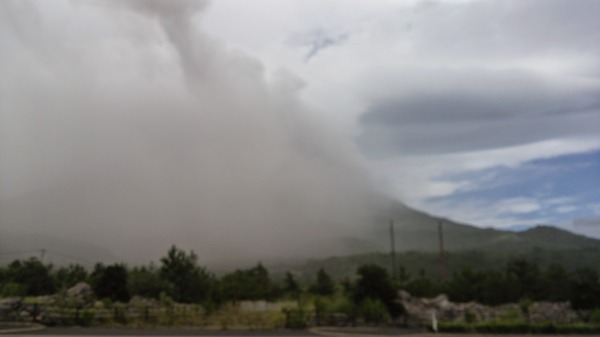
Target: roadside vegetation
[178, 292]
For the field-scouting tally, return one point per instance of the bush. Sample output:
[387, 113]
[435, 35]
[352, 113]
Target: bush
[457, 327]
[11, 289]
[502, 327]
[470, 317]
[296, 319]
[343, 305]
[507, 327]
[594, 317]
[374, 311]
[86, 317]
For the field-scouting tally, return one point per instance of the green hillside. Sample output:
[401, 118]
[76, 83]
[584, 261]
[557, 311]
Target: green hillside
[418, 231]
[417, 246]
[416, 263]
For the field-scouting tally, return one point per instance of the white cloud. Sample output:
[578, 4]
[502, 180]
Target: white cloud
[504, 213]
[566, 209]
[517, 205]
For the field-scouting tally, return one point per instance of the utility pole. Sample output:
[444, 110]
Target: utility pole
[442, 259]
[393, 251]
[42, 254]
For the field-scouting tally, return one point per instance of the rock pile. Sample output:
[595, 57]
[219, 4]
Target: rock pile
[44, 308]
[554, 312]
[15, 309]
[9, 306]
[421, 310]
[80, 295]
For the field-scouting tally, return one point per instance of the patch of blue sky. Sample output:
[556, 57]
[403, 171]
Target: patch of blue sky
[558, 189]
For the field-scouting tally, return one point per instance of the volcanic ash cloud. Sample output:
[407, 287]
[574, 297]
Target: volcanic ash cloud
[123, 124]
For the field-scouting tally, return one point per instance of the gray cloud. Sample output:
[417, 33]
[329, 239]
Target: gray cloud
[504, 28]
[132, 129]
[486, 75]
[320, 42]
[588, 226]
[587, 222]
[175, 18]
[493, 113]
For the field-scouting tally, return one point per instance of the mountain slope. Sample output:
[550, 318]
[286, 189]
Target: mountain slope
[415, 263]
[415, 230]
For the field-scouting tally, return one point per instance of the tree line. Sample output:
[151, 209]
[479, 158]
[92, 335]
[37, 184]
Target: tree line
[519, 280]
[180, 278]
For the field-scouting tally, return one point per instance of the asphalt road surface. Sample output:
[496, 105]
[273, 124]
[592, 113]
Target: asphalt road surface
[158, 332]
[354, 332]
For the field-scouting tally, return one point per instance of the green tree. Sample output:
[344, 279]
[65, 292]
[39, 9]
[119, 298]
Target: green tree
[250, 284]
[145, 281]
[66, 277]
[556, 284]
[403, 277]
[585, 289]
[523, 277]
[422, 286]
[290, 285]
[467, 285]
[374, 283]
[188, 282]
[110, 282]
[32, 275]
[374, 311]
[495, 290]
[324, 285]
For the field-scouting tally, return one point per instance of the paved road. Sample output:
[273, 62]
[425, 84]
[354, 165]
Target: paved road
[325, 332]
[52, 331]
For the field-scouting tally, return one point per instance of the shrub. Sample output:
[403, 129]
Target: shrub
[11, 289]
[502, 327]
[374, 311]
[343, 305]
[594, 316]
[296, 318]
[470, 317]
[507, 327]
[86, 317]
[457, 327]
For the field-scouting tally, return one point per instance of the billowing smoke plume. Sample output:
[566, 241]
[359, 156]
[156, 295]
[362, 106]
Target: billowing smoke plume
[122, 124]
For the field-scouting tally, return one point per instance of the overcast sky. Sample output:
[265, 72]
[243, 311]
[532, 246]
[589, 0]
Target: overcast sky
[187, 121]
[487, 112]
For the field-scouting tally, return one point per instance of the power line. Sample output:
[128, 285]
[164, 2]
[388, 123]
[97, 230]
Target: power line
[43, 253]
[53, 253]
[20, 252]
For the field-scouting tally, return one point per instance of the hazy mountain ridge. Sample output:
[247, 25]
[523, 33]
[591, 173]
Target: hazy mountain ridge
[55, 250]
[428, 263]
[417, 246]
[415, 231]
[418, 231]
